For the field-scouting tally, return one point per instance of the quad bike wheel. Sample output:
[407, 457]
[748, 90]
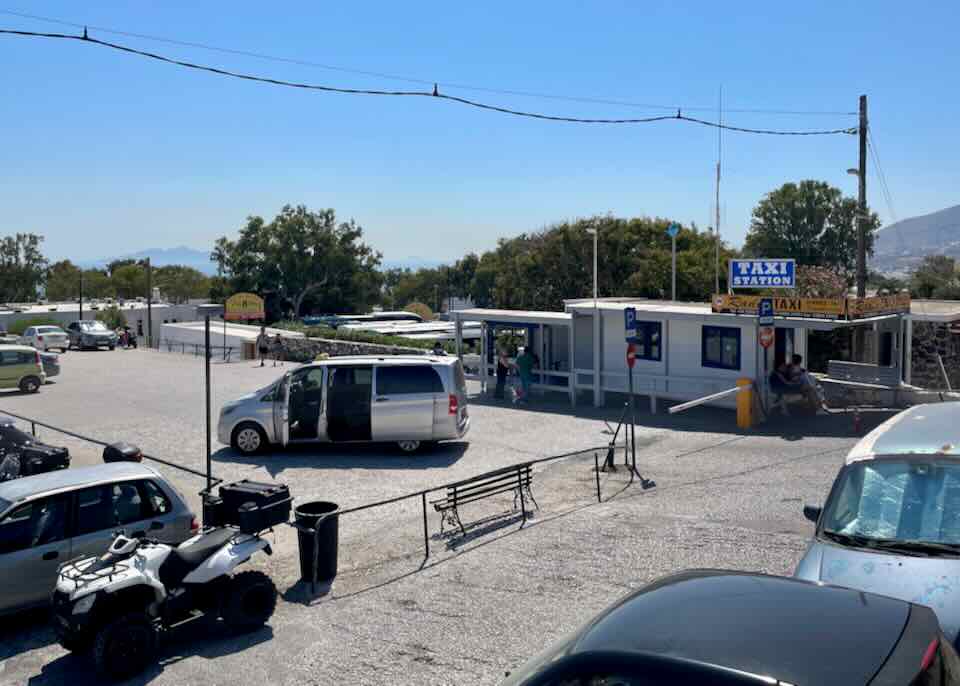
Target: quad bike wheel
[125, 646]
[248, 602]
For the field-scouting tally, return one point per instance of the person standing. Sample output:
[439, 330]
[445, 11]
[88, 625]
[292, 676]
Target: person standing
[277, 350]
[525, 365]
[263, 345]
[503, 368]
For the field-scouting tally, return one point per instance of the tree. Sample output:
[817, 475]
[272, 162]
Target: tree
[936, 277]
[419, 308]
[23, 268]
[303, 255]
[63, 281]
[818, 282]
[112, 317]
[129, 281]
[96, 284]
[180, 283]
[811, 222]
[114, 265]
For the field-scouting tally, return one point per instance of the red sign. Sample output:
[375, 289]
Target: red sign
[631, 354]
[766, 336]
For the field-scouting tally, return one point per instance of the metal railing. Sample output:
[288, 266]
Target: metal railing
[224, 352]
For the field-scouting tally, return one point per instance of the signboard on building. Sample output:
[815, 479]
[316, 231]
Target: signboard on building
[763, 273]
[630, 323]
[766, 336]
[765, 312]
[820, 308]
[243, 306]
[878, 305]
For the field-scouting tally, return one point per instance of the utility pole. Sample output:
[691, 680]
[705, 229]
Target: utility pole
[81, 296]
[716, 224]
[150, 307]
[862, 203]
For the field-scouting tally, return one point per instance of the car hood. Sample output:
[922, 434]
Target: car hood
[930, 581]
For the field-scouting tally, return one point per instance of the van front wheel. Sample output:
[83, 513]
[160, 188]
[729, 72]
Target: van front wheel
[30, 384]
[409, 446]
[249, 439]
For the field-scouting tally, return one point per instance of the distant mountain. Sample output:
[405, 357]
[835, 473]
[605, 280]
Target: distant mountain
[162, 257]
[900, 247]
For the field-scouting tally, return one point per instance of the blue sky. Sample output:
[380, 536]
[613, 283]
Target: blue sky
[106, 153]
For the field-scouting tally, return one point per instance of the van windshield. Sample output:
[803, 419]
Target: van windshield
[897, 500]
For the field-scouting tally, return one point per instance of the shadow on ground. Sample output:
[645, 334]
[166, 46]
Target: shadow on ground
[201, 638]
[361, 456]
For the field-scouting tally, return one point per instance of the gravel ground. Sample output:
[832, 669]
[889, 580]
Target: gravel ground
[480, 604]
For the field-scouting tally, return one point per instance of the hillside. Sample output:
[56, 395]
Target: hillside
[902, 245]
[162, 257]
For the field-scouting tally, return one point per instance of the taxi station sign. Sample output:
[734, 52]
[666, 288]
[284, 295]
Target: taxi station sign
[815, 308]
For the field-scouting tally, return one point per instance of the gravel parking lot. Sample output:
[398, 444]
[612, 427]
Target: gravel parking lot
[480, 605]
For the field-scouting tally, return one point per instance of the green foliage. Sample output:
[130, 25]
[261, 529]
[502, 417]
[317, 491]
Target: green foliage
[112, 317]
[936, 277]
[23, 267]
[886, 285]
[18, 327]
[63, 281]
[306, 258]
[129, 281]
[419, 308]
[179, 283]
[811, 222]
[97, 284]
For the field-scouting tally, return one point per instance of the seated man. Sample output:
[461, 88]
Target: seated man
[811, 388]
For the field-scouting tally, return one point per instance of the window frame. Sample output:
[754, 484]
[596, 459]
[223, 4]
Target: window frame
[723, 332]
[65, 502]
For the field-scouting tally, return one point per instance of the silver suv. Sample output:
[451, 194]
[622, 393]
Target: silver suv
[50, 518]
[404, 399]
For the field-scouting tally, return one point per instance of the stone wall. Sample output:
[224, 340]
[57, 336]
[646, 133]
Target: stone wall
[307, 349]
[929, 339]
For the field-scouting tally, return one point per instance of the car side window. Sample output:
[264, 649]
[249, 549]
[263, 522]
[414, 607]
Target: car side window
[28, 332]
[94, 510]
[128, 505]
[404, 380]
[9, 357]
[157, 501]
[34, 524]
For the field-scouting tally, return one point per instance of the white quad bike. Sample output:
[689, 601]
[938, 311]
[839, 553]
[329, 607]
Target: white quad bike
[115, 606]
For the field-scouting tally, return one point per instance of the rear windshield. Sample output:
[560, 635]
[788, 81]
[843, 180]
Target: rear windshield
[93, 326]
[49, 329]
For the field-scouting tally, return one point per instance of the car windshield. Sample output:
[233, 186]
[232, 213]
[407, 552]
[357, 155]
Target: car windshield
[897, 500]
[93, 326]
[12, 435]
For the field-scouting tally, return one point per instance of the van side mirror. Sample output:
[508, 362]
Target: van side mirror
[812, 512]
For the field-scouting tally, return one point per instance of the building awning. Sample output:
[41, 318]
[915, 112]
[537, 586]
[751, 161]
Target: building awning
[513, 316]
[942, 311]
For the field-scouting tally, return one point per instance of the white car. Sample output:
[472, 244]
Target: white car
[46, 338]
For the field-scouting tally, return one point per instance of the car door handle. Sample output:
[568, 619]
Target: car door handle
[52, 555]
[382, 400]
[156, 526]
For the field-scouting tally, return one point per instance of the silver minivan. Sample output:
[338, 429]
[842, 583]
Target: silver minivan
[50, 518]
[404, 399]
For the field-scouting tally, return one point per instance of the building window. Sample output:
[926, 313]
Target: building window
[648, 341]
[721, 347]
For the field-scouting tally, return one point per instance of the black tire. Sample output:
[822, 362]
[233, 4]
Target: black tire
[125, 646]
[244, 441]
[30, 384]
[112, 347]
[76, 645]
[248, 601]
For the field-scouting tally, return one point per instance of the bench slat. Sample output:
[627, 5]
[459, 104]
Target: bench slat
[463, 496]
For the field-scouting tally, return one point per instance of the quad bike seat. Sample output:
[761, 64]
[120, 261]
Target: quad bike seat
[185, 558]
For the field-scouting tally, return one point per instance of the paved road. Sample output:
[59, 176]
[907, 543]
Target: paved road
[480, 604]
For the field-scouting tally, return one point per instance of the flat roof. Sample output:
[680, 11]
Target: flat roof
[88, 306]
[513, 316]
[233, 329]
[935, 310]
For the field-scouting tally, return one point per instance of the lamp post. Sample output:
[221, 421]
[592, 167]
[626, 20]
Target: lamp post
[595, 232]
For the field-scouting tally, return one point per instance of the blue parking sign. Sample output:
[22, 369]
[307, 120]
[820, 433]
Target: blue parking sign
[630, 322]
[765, 312]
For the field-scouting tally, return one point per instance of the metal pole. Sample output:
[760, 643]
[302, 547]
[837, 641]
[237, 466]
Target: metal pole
[673, 286]
[716, 277]
[206, 364]
[597, 380]
[862, 203]
[633, 423]
[523, 502]
[150, 310]
[596, 471]
[80, 317]
[426, 535]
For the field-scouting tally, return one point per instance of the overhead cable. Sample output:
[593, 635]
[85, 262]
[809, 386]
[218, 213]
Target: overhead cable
[435, 93]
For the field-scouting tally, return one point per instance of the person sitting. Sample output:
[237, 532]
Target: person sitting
[811, 388]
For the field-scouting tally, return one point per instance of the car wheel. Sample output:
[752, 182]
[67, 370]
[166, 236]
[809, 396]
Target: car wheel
[409, 446]
[249, 439]
[125, 646]
[112, 347]
[30, 384]
[248, 602]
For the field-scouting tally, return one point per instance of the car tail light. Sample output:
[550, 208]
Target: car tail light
[39, 338]
[454, 404]
[929, 655]
[194, 525]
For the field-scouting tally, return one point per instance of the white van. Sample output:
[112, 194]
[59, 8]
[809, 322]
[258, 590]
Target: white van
[404, 399]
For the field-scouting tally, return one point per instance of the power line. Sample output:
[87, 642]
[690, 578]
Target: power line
[435, 93]
[881, 176]
[408, 79]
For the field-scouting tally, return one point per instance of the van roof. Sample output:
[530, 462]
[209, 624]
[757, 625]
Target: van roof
[25, 487]
[393, 359]
[921, 430]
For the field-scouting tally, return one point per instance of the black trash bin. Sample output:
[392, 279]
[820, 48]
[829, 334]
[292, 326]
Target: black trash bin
[322, 515]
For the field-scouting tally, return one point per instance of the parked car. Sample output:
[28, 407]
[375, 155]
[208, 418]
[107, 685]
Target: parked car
[33, 456]
[891, 523]
[406, 399]
[46, 338]
[50, 363]
[48, 519]
[723, 628]
[21, 367]
[90, 333]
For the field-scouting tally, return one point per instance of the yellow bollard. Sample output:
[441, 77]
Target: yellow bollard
[745, 404]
